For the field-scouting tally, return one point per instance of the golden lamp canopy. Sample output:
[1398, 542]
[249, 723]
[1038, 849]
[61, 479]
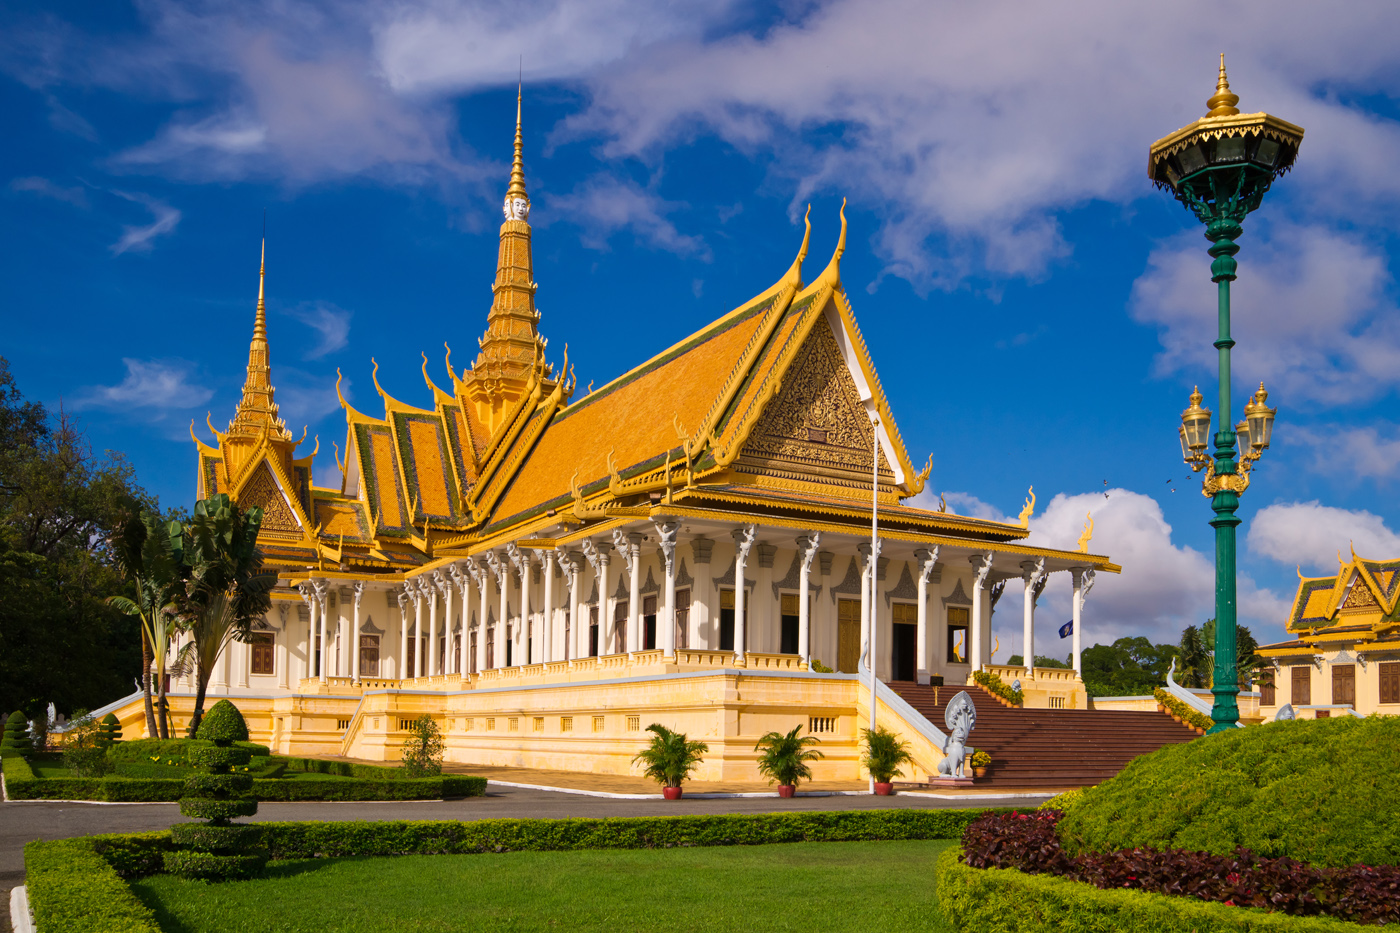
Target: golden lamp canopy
[1224, 137]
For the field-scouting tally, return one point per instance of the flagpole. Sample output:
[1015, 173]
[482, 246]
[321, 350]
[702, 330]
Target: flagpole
[874, 563]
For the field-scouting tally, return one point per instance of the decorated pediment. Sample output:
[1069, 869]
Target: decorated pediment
[265, 491]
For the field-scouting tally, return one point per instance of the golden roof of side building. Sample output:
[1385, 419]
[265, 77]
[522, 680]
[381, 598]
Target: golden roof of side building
[1360, 602]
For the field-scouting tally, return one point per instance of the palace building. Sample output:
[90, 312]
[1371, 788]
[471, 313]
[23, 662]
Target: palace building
[547, 572]
[1345, 656]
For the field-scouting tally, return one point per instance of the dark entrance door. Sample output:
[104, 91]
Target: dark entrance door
[903, 646]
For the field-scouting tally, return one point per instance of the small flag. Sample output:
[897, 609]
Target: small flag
[1067, 629]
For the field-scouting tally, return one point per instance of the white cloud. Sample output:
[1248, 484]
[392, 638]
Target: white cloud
[138, 238]
[330, 322]
[1311, 534]
[604, 205]
[1369, 452]
[1311, 312]
[959, 503]
[1163, 588]
[305, 398]
[47, 189]
[149, 384]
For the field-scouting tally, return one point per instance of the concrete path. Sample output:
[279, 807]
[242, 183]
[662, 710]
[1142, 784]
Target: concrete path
[23, 821]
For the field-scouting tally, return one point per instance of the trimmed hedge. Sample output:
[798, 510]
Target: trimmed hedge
[343, 768]
[1282, 789]
[134, 855]
[74, 889]
[22, 784]
[1004, 900]
[141, 750]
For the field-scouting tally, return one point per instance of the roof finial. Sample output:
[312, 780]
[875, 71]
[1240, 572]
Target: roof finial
[260, 319]
[517, 168]
[1224, 101]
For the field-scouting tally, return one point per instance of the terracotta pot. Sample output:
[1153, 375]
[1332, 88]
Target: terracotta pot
[1161, 708]
[671, 793]
[979, 772]
[884, 789]
[787, 790]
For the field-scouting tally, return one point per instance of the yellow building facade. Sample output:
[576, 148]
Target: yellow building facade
[548, 571]
[1345, 656]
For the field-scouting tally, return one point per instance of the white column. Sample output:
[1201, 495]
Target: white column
[419, 591]
[634, 593]
[446, 586]
[807, 550]
[460, 582]
[982, 568]
[342, 629]
[743, 540]
[321, 587]
[599, 558]
[500, 569]
[623, 544]
[1030, 573]
[667, 532]
[546, 639]
[572, 566]
[521, 560]
[400, 666]
[928, 560]
[869, 559]
[283, 656]
[431, 584]
[359, 591]
[1083, 583]
[478, 573]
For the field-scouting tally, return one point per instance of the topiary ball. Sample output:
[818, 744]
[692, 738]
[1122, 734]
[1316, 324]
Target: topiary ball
[16, 737]
[223, 725]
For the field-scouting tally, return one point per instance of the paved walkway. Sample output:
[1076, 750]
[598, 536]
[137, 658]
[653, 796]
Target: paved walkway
[23, 821]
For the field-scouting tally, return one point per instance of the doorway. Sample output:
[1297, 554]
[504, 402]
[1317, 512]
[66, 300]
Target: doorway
[904, 641]
[847, 635]
[790, 620]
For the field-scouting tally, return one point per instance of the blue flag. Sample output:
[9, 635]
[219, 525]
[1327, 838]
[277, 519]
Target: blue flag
[1067, 629]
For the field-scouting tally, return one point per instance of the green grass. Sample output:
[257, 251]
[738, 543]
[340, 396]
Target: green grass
[832, 887]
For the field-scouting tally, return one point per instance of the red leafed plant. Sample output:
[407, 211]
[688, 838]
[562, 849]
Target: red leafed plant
[1029, 842]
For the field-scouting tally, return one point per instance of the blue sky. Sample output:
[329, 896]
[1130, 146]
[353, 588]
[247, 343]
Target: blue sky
[1037, 312]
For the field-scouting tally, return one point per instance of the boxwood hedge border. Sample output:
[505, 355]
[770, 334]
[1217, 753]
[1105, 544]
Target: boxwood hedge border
[22, 784]
[76, 885]
[1005, 900]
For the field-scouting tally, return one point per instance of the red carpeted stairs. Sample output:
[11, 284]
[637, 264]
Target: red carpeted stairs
[1049, 748]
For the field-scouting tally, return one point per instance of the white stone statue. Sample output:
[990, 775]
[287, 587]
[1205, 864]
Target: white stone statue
[959, 716]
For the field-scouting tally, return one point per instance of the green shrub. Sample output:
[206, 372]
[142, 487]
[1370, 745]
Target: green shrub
[1004, 900]
[222, 724]
[1282, 789]
[994, 684]
[1064, 801]
[83, 751]
[784, 759]
[342, 768]
[138, 854]
[219, 852]
[74, 889]
[1189, 715]
[884, 753]
[111, 732]
[16, 737]
[422, 750]
[669, 757]
[146, 750]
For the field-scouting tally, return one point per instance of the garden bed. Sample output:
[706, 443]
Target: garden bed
[715, 872]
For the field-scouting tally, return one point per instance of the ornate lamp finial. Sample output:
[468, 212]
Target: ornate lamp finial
[1222, 104]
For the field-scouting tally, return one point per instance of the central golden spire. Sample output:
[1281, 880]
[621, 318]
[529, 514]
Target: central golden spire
[511, 342]
[257, 409]
[1222, 104]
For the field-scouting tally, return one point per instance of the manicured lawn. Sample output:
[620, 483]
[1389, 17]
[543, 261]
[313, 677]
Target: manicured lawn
[826, 887]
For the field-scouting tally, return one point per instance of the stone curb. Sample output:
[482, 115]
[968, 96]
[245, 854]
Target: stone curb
[21, 917]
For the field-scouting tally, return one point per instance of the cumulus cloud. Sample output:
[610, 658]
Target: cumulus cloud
[959, 503]
[137, 238]
[155, 386]
[331, 323]
[1311, 310]
[1369, 452]
[1311, 535]
[605, 205]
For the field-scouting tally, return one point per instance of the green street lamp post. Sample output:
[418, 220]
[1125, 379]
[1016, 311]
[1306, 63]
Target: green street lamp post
[1219, 168]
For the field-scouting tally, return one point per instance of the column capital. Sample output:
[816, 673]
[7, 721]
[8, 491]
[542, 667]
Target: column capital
[358, 588]
[744, 537]
[624, 545]
[807, 547]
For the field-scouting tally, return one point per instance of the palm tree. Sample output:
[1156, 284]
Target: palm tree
[670, 757]
[148, 553]
[784, 759]
[225, 589]
[884, 753]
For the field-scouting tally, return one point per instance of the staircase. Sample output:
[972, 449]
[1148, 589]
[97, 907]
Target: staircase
[1049, 748]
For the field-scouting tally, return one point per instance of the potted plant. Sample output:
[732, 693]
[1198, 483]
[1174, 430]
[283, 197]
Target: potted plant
[669, 759]
[981, 761]
[784, 759]
[884, 753]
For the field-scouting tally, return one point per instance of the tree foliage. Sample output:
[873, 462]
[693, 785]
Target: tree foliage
[1128, 667]
[59, 502]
